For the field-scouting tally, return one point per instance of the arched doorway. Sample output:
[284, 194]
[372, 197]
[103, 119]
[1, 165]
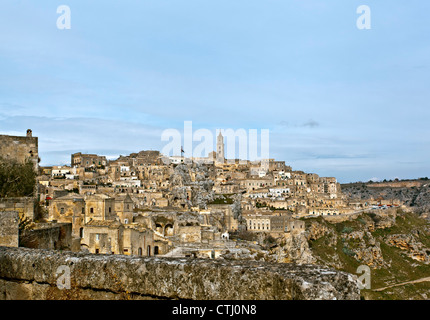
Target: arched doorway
[159, 228]
[168, 230]
[149, 251]
[156, 250]
[139, 251]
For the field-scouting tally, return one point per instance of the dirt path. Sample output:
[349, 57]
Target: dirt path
[403, 283]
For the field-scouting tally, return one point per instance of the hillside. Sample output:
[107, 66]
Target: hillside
[413, 193]
[394, 244]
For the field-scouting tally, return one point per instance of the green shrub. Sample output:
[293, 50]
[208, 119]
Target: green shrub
[347, 230]
[16, 179]
[348, 251]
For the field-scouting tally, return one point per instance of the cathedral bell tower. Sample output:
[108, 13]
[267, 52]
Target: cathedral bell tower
[220, 148]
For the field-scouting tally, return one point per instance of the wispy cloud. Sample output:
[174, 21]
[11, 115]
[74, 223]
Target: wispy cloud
[308, 124]
[311, 124]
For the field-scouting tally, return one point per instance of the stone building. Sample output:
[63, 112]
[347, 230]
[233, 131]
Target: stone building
[324, 211]
[105, 237]
[69, 209]
[124, 206]
[139, 241]
[225, 188]
[112, 237]
[87, 160]
[99, 207]
[330, 185]
[20, 149]
[257, 183]
[273, 223]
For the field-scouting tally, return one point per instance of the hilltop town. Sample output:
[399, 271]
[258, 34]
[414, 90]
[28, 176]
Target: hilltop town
[150, 204]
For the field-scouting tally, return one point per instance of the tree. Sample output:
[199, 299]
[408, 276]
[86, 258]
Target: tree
[16, 179]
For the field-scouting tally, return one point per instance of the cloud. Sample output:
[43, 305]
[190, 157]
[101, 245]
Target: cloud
[311, 124]
[308, 124]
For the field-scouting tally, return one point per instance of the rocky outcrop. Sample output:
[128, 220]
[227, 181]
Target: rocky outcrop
[365, 248]
[407, 242]
[415, 194]
[191, 186]
[316, 230]
[32, 274]
[383, 221]
[359, 244]
[296, 249]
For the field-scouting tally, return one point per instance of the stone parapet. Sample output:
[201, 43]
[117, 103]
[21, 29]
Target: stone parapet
[32, 274]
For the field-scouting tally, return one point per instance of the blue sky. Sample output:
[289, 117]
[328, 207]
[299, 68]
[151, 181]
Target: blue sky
[338, 101]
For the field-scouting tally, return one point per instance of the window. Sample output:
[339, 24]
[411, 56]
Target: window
[125, 221]
[97, 237]
[62, 210]
[91, 210]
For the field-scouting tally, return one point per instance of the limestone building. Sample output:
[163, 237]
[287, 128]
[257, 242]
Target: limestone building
[99, 207]
[88, 160]
[69, 209]
[112, 237]
[20, 149]
[274, 224]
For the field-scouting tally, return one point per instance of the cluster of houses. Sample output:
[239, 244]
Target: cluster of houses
[148, 204]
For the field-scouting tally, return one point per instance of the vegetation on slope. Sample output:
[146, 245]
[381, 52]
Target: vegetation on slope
[396, 252]
[16, 180]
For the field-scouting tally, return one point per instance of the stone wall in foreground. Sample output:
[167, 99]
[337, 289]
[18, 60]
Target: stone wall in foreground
[9, 229]
[32, 274]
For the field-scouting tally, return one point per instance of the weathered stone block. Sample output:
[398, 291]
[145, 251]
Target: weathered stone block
[137, 277]
[9, 229]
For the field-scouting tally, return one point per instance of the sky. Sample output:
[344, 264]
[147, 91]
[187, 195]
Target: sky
[337, 100]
